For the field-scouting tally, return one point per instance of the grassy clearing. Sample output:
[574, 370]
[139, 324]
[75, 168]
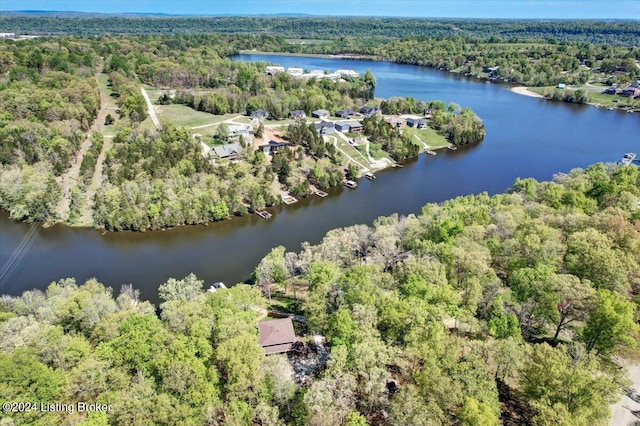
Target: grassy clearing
[184, 116]
[428, 136]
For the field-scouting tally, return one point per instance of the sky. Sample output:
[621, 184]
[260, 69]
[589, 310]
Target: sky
[536, 9]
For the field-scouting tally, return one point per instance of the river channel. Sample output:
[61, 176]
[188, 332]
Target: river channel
[525, 137]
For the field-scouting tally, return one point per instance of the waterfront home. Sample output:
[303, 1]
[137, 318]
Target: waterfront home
[348, 73]
[320, 113]
[349, 126]
[325, 127]
[395, 122]
[297, 114]
[294, 71]
[276, 336]
[273, 70]
[628, 92]
[368, 111]
[345, 113]
[259, 114]
[418, 123]
[230, 151]
[272, 147]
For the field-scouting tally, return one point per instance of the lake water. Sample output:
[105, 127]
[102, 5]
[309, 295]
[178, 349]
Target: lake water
[525, 137]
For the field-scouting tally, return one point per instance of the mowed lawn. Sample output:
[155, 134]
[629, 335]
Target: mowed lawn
[183, 116]
[429, 136]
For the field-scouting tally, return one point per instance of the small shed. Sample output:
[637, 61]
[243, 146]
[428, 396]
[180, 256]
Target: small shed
[276, 336]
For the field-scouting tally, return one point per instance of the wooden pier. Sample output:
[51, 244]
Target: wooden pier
[264, 214]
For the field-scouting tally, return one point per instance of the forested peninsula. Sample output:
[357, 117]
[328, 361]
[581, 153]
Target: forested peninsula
[83, 145]
[483, 310]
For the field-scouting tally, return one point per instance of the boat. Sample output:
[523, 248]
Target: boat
[264, 214]
[217, 286]
[351, 184]
[430, 152]
[370, 176]
[452, 147]
[627, 159]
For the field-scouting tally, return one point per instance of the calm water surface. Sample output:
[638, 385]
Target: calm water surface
[526, 137]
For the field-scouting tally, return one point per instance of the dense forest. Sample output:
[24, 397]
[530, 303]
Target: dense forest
[481, 310]
[612, 32]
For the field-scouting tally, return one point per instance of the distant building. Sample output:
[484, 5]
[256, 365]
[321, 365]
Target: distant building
[259, 114]
[345, 113]
[276, 336]
[295, 71]
[272, 147]
[240, 129]
[610, 91]
[230, 151]
[348, 73]
[325, 127]
[418, 123]
[628, 92]
[349, 127]
[368, 111]
[395, 122]
[561, 86]
[272, 70]
[297, 114]
[320, 113]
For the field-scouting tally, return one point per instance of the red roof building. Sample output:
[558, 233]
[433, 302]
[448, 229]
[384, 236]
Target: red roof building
[276, 336]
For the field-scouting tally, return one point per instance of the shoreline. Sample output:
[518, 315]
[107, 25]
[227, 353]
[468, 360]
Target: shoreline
[524, 90]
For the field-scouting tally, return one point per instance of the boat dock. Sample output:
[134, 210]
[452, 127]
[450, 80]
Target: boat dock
[397, 165]
[264, 214]
[321, 193]
[431, 152]
[452, 147]
[351, 184]
[289, 199]
[370, 176]
[628, 158]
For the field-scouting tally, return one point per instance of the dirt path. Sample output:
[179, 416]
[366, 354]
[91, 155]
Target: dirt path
[152, 112]
[87, 215]
[69, 179]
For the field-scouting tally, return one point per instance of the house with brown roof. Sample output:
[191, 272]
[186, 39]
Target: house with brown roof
[276, 336]
[395, 122]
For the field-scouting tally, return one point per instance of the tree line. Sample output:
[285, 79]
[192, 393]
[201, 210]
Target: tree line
[57, 23]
